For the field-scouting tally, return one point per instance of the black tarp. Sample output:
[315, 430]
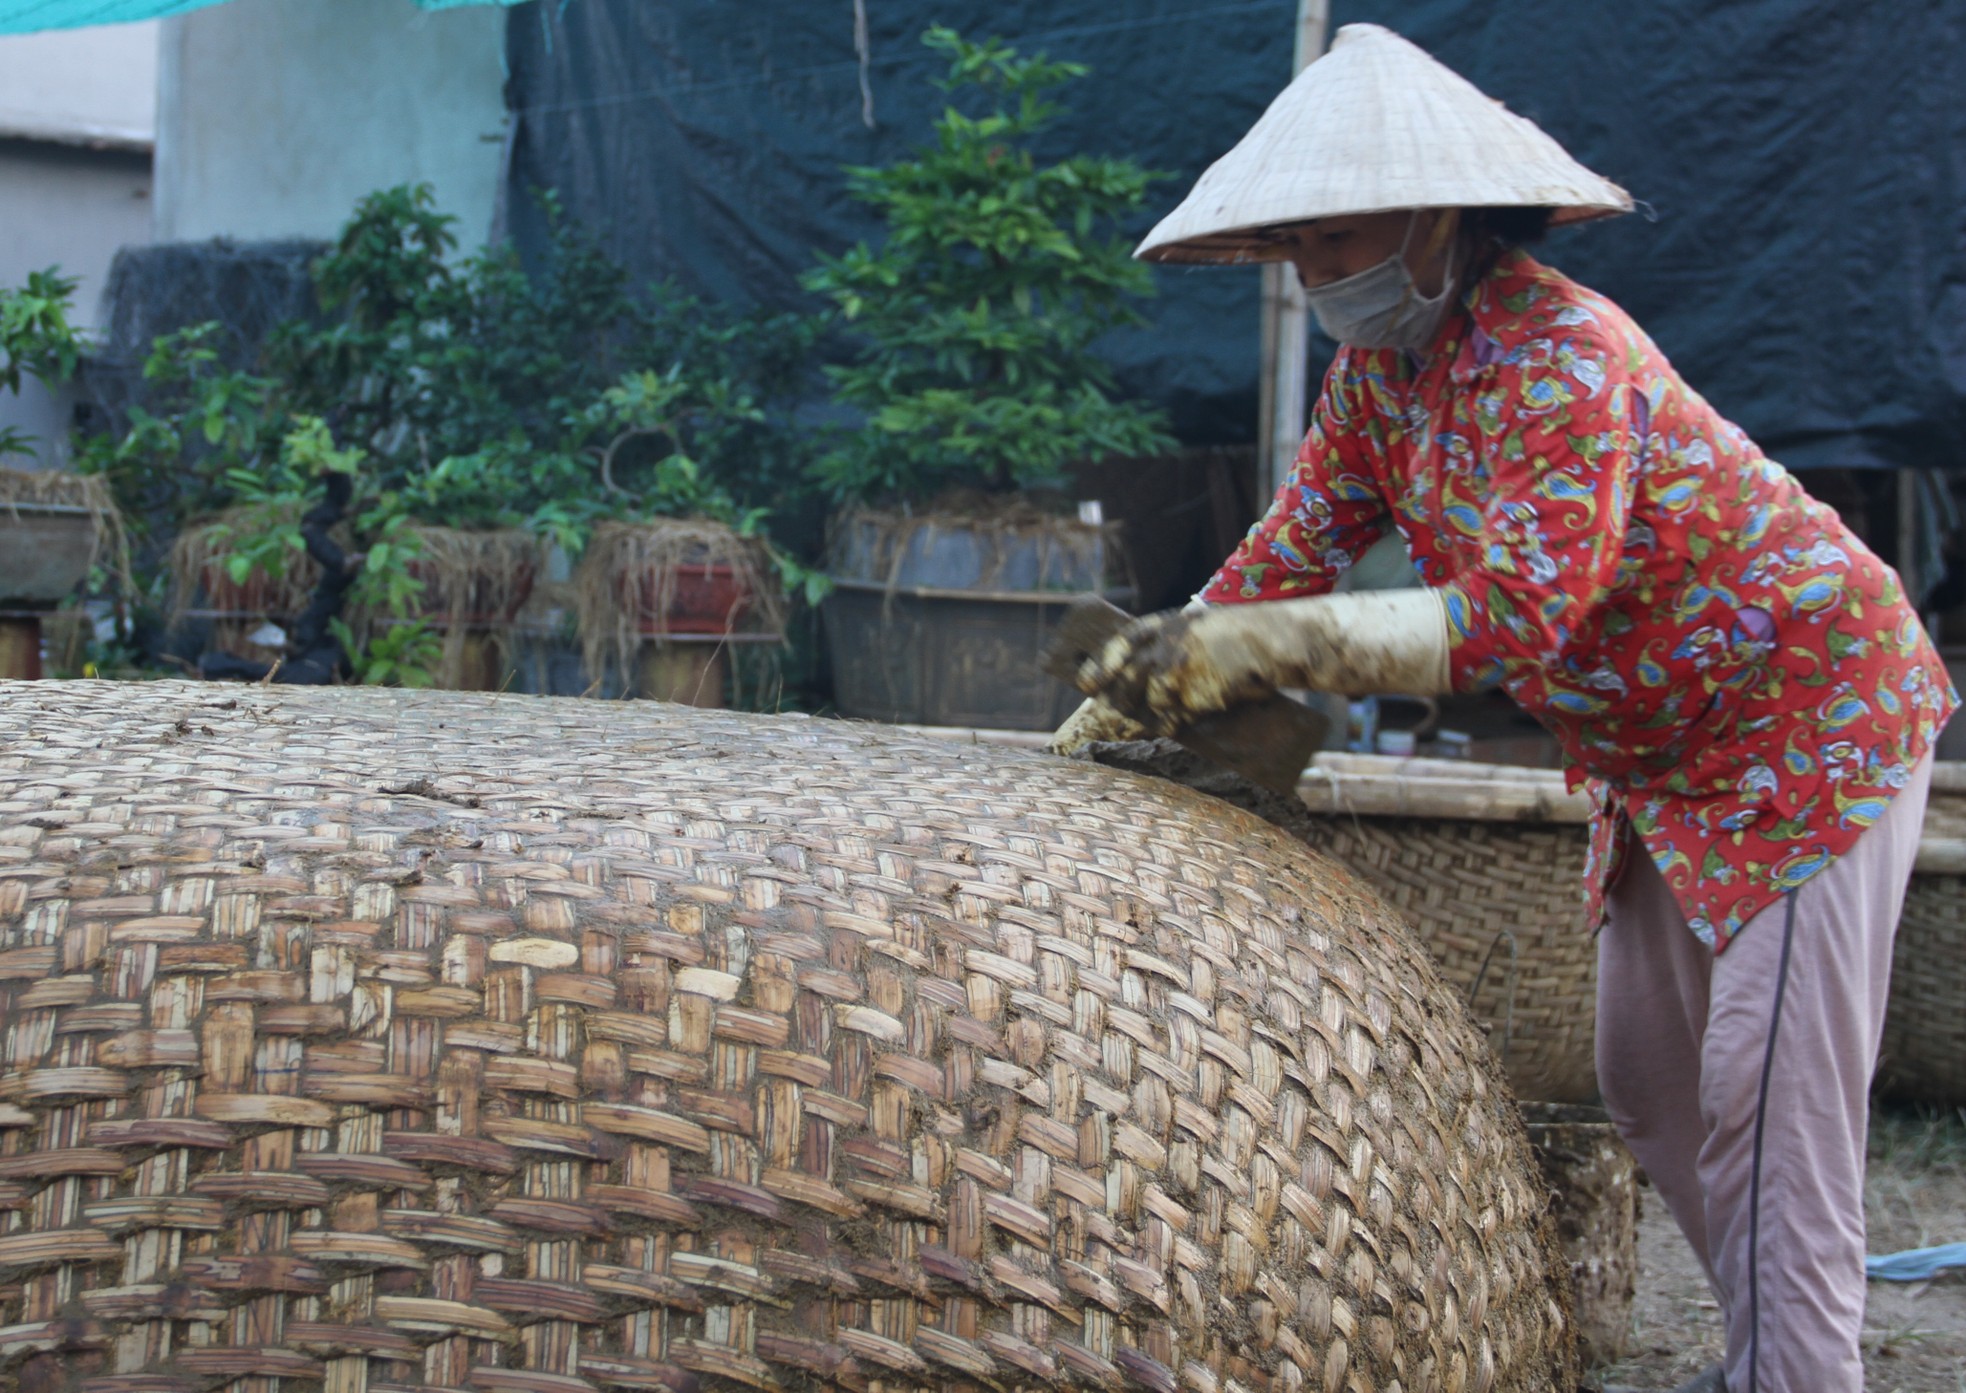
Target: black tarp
[1803, 259]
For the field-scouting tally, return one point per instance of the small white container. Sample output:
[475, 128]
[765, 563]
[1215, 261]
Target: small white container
[1399, 743]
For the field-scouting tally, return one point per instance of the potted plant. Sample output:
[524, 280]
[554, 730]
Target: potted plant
[53, 523]
[680, 575]
[979, 389]
[497, 405]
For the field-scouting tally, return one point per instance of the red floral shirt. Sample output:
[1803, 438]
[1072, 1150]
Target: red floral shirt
[1729, 668]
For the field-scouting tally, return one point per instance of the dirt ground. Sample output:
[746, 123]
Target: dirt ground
[1914, 1333]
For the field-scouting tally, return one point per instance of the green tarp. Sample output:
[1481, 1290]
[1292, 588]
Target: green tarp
[26, 16]
[1801, 253]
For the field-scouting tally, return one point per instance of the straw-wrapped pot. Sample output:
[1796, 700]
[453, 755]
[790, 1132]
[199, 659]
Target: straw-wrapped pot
[376, 1042]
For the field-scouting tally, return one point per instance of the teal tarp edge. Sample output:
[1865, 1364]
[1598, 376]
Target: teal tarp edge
[30, 16]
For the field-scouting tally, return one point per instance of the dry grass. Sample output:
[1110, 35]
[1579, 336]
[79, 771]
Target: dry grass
[1917, 1156]
[996, 520]
[474, 582]
[54, 488]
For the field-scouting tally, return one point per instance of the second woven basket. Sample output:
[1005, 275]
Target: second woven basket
[1487, 861]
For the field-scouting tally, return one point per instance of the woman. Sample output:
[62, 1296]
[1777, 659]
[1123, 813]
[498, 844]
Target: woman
[1740, 682]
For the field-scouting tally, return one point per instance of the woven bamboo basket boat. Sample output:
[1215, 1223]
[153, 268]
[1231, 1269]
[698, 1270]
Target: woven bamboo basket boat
[1924, 1053]
[388, 1042]
[1487, 861]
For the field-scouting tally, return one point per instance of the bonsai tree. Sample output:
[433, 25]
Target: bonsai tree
[681, 571]
[978, 313]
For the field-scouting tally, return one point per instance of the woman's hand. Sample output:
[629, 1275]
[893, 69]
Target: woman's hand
[1167, 669]
[1094, 722]
[1164, 670]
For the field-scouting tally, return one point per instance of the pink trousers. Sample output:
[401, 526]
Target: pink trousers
[1742, 1085]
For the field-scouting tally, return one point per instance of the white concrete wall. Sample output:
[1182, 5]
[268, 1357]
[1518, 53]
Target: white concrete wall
[72, 208]
[78, 109]
[65, 206]
[275, 116]
[89, 86]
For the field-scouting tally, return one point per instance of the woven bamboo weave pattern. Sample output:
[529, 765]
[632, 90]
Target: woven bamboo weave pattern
[1499, 905]
[1924, 1051]
[376, 1042]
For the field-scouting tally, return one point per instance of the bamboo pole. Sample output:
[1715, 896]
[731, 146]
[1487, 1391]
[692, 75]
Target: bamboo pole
[1941, 856]
[1908, 522]
[1285, 390]
[1457, 800]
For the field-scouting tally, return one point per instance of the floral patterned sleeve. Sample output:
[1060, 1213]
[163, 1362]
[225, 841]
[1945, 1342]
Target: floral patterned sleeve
[1555, 428]
[1324, 516]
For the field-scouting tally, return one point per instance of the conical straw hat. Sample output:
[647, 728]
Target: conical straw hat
[1375, 124]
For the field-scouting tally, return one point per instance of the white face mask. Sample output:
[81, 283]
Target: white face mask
[1381, 307]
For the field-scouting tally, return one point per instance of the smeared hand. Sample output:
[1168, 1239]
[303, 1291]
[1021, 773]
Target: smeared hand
[1168, 669]
[1094, 723]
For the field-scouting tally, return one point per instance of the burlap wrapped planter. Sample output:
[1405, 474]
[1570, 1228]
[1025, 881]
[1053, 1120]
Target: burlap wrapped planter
[383, 1041]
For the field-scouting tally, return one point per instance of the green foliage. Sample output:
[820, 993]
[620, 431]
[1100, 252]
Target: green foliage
[386, 584]
[206, 438]
[651, 410]
[471, 393]
[403, 654]
[38, 340]
[467, 392]
[980, 311]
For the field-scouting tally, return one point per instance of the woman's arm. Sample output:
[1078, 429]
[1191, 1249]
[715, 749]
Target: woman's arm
[1559, 434]
[1327, 512]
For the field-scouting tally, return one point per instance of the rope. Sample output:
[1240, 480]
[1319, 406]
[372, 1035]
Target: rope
[1508, 1003]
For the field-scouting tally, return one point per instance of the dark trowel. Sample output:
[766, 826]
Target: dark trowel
[1268, 741]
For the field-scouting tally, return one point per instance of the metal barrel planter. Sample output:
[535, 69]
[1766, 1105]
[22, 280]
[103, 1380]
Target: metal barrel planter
[414, 1041]
[943, 620]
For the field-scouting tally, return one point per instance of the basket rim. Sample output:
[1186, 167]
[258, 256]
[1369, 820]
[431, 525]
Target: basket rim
[1363, 785]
